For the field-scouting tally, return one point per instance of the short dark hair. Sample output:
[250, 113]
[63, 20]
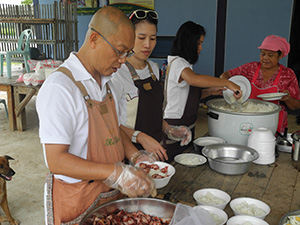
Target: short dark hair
[186, 41]
[148, 18]
[279, 53]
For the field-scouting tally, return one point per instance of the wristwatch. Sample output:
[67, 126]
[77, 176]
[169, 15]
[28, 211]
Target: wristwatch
[134, 136]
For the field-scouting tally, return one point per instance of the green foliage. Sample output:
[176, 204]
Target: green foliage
[27, 2]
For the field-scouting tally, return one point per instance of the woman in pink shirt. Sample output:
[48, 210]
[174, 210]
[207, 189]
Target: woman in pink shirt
[269, 76]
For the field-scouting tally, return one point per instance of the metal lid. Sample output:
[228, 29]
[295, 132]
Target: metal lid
[296, 135]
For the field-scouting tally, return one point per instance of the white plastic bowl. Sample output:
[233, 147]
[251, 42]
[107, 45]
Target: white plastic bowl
[201, 142]
[234, 205]
[161, 182]
[261, 134]
[240, 219]
[216, 192]
[215, 213]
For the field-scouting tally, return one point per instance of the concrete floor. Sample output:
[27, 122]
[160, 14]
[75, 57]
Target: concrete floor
[25, 191]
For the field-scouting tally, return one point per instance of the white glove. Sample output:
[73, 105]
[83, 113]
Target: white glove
[131, 181]
[141, 156]
[179, 133]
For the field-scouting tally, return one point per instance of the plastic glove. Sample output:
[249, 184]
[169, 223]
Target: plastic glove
[131, 181]
[141, 156]
[179, 133]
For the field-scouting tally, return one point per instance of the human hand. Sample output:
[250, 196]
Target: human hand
[216, 90]
[141, 156]
[285, 97]
[237, 92]
[179, 133]
[131, 181]
[152, 146]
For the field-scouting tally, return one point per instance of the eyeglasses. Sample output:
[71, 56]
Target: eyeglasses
[119, 53]
[142, 14]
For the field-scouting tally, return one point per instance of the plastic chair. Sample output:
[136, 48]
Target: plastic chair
[26, 34]
[3, 101]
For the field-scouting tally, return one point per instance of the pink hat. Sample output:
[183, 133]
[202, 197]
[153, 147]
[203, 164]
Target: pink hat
[275, 43]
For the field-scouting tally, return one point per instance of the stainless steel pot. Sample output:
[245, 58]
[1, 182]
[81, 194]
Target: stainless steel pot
[296, 150]
[152, 206]
[235, 127]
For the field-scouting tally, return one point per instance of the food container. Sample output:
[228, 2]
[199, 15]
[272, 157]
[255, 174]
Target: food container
[216, 193]
[235, 127]
[162, 182]
[230, 159]
[201, 142]
[152, 206]
[263, 141]
[261, 135]
[242, 219]
[292, 216]
[218, 215]
[255, 207]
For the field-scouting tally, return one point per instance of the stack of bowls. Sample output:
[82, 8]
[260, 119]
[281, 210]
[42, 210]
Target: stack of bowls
[263, 141]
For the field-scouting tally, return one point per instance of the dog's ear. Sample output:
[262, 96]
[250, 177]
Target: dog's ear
[8, 157]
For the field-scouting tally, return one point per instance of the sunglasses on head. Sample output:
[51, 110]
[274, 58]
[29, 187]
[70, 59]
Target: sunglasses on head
[142, 14]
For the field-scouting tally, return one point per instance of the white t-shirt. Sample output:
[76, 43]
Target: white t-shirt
[62, 111]
[177, 93]
[127, 92]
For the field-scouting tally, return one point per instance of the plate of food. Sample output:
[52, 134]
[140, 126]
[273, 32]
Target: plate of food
[272, 96]
[292, 217]
[245, 85]
[190, 159]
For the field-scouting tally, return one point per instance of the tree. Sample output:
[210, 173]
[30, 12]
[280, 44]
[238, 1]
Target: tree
[27, 2]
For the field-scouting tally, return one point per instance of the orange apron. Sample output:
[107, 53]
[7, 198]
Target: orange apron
[274, 88]
[70, 202]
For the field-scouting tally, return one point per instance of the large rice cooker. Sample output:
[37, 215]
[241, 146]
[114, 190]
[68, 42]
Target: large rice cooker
[235, 125]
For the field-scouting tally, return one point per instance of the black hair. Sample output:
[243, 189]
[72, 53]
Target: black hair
[186, 41]
[148, 18]
[279, 53]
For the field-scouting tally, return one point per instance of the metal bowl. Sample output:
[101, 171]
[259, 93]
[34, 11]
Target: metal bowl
[284, 219]
[152, 206]
[230, 159]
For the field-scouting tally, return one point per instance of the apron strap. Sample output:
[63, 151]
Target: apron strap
[80, 86]
[49, 202]
[132, 71]
[151, 71]
[256, 74]
[278, 76]
[166, 83]
[257, 71]
[109, 92]
[134, 74]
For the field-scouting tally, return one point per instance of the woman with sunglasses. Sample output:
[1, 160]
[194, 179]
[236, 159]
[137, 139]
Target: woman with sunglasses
[140, 92]
[182, 85]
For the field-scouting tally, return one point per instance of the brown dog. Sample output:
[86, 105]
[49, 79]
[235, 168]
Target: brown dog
[6, 174]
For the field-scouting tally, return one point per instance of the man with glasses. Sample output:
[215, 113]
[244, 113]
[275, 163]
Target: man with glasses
[82, 143]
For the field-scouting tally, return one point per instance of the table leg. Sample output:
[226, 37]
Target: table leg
[10, 107]
[21, 119]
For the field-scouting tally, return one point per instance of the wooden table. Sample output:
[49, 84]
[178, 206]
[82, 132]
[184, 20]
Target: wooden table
[6, 85]
[22, 95]
[277, 184]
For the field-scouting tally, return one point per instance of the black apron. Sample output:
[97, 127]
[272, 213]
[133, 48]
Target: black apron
[149, 113]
